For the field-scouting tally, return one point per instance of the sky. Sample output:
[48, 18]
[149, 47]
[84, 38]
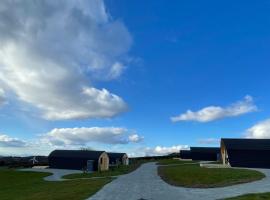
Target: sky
[142, 77]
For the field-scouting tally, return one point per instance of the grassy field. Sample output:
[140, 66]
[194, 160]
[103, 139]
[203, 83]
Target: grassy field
[112, 172]
[174, 161]
[194, 176]
[260, 196]
[16, 185]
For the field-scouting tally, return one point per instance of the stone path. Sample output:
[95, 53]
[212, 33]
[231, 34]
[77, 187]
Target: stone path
[144, 183]
[56, 173]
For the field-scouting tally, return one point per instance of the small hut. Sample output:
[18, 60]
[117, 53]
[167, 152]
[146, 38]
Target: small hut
[118, 158]
[79, 160]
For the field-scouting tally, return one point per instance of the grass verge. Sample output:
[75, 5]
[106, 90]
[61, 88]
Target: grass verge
[194, 176]
[116, 171]
[260, 196]
[31, 186]
[174, 162]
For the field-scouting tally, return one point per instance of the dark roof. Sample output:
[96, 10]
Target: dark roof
[205, 149]
[76, 153]
[248, 144]
[115, 155]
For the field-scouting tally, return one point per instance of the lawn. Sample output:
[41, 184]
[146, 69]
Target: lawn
[174, 161]
[260, 196]
[116, 171]
[17, 185]
[194, 176]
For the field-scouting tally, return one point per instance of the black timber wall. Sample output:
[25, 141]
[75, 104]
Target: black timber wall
[70, 163]
[204, 156]
[185, 154]
[249, 158]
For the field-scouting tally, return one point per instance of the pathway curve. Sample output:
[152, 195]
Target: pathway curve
[144, 183]
[57, 174]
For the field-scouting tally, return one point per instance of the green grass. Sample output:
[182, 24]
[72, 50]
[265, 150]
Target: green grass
[260, 196]
[3, 167]
[194, 176]
[174, 161]
[17, 185]
[122, 169]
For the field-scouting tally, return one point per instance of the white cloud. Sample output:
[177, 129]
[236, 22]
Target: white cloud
[50, 51]
[260, 130]
[84, 135]
[212, 113]
[162, 150]
[209, 141]
[135, 138]
[6, 141]
[97, 138]
[2, 97]
[116, 70]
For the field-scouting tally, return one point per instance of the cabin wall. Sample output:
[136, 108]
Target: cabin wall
[223, 152]
[125, 160]
[249, 158]
[185, 154]
[103, 162]
[67, 163]
[71, 163]
[204, 156]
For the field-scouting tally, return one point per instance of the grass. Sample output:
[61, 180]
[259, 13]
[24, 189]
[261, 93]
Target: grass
[122, 169]
[194, 176]
[17, 185]
[174, 161]
[260, 196]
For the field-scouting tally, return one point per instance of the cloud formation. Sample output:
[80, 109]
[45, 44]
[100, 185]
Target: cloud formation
[162, 150]
[260, 130]
[135, 138]
[2, 97]
[52, 51]
[84, 135]
[213, 113]
[6, 141]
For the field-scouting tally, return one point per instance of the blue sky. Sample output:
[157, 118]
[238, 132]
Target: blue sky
[159, 58]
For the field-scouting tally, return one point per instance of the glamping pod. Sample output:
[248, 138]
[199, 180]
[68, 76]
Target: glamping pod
[205, 153]
[79, 160]
[250, 153]
[118, 158]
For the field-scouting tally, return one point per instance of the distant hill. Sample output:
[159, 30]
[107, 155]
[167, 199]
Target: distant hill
[17, 161]
[173, 155]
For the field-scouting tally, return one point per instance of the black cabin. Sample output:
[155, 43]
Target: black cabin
[205, 153]
[250, 153]
[185, 154]
[78, 159]
[118, 158]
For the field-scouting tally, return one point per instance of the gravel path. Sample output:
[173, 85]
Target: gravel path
[144, 183]
[57, 173]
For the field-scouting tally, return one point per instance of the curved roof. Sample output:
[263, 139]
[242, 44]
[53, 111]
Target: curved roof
[205, 149]
[76, 154]
[115, 155]
[248, 144]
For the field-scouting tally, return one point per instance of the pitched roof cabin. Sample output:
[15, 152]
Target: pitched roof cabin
[79, 160]
[118, 158]
[205, 153]
[250, 153]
